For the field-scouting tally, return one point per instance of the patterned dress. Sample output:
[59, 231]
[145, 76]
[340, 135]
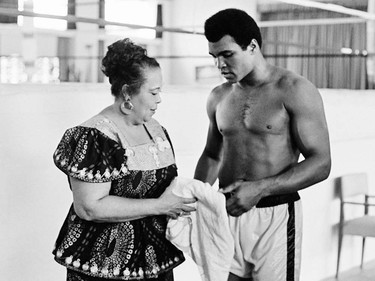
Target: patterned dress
[97, 152]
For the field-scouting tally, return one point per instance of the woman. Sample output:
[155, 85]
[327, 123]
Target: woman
[119, 164]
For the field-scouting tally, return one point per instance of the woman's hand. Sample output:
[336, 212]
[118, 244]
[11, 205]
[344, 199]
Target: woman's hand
[173, 205]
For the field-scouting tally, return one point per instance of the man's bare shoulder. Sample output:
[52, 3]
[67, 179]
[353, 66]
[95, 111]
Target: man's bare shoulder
[292, 83]
[219, 92]
[296, 91]
[222, 89]
[217, 95]
[292, 87]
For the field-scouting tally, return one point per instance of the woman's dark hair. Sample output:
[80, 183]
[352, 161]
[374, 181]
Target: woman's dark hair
[233, 22]
[124, 63]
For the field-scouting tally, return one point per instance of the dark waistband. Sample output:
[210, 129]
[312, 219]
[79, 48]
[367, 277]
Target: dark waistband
[275, 200]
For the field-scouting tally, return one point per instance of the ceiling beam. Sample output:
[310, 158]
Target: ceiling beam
[331, 7]
[198, 30]
[302, 22]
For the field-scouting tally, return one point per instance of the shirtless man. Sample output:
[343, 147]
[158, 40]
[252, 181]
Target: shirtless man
[261, 120]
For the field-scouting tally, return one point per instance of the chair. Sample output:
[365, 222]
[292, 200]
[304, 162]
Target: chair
[350, 187]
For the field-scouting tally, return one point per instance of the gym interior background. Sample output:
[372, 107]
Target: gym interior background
[50, 79]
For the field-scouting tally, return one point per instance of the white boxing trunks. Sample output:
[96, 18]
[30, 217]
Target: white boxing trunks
[268, 240]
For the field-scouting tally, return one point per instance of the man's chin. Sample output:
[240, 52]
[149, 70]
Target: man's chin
[230, 77]
[231, 80]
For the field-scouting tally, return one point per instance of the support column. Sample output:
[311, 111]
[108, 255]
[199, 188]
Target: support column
[159, 20]
[71, 12]
[9, 4]
[371, 46]
[86, 41]
[29, 44]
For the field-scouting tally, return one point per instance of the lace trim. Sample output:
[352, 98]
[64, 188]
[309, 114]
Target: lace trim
[117, 273]
[85, 174]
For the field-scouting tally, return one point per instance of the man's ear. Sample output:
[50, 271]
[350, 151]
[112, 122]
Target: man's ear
[253, 45]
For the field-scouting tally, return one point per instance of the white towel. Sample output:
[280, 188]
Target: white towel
[205, 234]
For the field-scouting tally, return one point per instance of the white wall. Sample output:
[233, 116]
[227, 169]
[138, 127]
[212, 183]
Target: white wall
[349, 115]
[34, 195]
[10, 47]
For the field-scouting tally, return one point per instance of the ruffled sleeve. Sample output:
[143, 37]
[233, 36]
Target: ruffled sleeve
[89, 155]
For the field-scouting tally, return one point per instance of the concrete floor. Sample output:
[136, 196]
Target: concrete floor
[356, 274]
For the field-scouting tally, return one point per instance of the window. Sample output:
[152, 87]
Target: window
[131, 12]
[55, 7]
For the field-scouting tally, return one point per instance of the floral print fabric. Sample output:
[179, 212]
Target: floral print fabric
[128, 250]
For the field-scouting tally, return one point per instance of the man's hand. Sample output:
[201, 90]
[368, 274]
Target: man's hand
[243, 195]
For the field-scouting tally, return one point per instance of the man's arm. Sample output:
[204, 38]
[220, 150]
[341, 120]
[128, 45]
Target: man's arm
[309, 132]
[208, 165]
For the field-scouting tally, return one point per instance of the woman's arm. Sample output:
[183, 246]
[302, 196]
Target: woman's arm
[92, 202]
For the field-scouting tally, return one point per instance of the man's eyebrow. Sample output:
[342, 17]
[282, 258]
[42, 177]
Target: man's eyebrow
[221, 53]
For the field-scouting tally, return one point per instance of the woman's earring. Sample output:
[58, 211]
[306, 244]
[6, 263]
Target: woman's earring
[126, 107]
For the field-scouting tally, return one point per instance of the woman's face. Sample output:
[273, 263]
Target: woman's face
[147, 100]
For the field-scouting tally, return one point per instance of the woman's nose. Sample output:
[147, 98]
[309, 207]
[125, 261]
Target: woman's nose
[158, 98]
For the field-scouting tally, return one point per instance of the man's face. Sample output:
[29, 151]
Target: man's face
[233, 62]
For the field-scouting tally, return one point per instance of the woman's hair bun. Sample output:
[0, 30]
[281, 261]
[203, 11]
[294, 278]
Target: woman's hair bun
[121, 56]
[124, 63]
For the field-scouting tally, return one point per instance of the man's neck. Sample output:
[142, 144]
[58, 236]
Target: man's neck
[260, 74]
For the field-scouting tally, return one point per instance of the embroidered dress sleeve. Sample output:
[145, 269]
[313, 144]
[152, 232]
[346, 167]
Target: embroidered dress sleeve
[89, 155]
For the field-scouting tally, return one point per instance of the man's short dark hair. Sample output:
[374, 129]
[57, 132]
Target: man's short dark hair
[233, 22]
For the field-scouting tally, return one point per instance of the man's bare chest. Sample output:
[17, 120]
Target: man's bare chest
[254, 114]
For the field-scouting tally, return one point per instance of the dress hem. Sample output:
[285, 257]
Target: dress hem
[121, 275]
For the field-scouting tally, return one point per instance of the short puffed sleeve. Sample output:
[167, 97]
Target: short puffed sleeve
[89, 155]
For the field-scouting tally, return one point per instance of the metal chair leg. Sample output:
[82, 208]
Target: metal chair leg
[339, 252]
[363, 250]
